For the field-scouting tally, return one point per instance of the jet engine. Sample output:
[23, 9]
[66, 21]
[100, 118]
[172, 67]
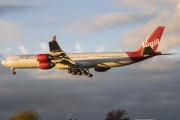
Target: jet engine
[46, 65]
[44, 57]
[101, 69]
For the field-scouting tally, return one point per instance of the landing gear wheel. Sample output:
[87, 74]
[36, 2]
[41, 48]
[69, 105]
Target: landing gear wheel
[86, 74]
[69, 71]
[79, 73]
[82, 71]
[13, 72]
[90, 75]
[74, 73]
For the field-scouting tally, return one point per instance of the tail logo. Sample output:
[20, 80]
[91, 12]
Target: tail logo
[152, 44]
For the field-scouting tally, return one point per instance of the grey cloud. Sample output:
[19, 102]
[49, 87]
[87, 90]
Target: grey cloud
[109, 21]
[9, 6]
[142, 91]
[4, 9]
[10, 30]
[165, 17]
[148, 6]
[1, 56]
[118, 20]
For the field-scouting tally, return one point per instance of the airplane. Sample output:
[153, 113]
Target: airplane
[80, 63]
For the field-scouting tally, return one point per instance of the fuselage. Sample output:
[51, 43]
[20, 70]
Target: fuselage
[83, 60]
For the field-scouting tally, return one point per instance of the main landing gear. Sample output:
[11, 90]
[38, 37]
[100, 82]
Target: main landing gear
[13, 71]
[80, 72]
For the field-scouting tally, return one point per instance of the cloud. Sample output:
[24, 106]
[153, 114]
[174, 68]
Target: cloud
[85, 97]
[11, 6]
[9, 31]
[109, 21]
[55, 19]
[100, 49]
[152, 6]
[4, 9]
[1, 56]
[169, 19]
[23, 49]
[44, 47]
[8, 49]
[118, 20]
[78, 47]
[55, 74]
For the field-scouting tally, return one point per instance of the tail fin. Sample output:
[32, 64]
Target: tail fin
[152, 40]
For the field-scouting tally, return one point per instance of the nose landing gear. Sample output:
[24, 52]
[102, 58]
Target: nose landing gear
[13, 71]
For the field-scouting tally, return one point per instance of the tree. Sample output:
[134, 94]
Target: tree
[26, 115]
[117, 115]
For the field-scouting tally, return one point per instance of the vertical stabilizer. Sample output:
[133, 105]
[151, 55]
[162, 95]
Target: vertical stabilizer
[152, 40]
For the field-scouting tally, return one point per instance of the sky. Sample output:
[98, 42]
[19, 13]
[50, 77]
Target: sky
[149, 89]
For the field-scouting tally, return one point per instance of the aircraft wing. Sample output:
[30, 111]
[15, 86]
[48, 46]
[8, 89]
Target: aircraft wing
[58, 54]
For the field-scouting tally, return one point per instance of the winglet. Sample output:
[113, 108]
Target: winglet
[53, 38]
[53, 45]
[58, 53]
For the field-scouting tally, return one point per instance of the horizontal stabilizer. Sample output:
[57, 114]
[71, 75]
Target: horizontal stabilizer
[148, 51]
[168, 53]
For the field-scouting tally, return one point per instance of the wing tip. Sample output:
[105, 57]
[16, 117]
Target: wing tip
[53, 38]
[161, 27]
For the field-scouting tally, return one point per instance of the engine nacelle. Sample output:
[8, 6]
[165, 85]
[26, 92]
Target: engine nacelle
[44, 57]
[46, 65]
[101, 69]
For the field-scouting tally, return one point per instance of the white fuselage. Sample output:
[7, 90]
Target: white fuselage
[83, 60]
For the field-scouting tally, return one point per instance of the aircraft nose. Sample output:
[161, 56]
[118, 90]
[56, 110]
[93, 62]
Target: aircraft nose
[5, 62]
[2, 62]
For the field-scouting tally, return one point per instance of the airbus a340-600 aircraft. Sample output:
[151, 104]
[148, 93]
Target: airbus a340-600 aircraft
[80, 63]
